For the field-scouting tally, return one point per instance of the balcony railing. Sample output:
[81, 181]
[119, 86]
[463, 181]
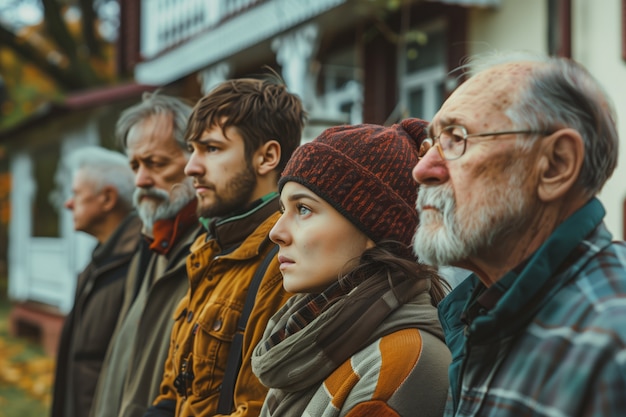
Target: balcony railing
[166, 23]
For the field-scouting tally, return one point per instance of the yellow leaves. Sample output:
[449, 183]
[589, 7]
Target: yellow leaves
[29, 85]
[24, 367]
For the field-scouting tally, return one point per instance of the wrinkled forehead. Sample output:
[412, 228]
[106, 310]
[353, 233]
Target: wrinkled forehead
[486, 96]
[145, 131]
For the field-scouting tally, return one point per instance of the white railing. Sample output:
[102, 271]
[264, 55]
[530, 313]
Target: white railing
[166, 23]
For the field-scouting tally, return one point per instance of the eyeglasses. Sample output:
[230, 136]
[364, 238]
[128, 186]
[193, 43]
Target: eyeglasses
[451, 142]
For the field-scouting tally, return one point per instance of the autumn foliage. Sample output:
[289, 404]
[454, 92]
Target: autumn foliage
[41, 63]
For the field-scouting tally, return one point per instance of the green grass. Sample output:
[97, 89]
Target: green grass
[15, 402]
[25, 371]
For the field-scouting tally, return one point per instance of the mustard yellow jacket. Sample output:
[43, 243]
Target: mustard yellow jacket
[207, 317]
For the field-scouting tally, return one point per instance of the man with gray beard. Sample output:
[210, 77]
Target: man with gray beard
[152, 134]
[508, 180]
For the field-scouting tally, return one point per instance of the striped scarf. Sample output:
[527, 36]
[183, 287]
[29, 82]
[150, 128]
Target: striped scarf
[311, 335]
[312, 306]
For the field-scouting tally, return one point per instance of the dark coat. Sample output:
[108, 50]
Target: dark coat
[88, 328]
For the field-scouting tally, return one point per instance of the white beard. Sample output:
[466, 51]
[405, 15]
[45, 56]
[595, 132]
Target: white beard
[170, 204]
[449, 234]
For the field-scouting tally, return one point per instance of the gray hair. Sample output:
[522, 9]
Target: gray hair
[153, 104]
[104, 168]
[560, 93]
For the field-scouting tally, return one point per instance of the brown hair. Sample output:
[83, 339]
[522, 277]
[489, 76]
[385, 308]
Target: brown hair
[389, 263]
[260, 110]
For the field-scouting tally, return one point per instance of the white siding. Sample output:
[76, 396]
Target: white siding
[596, 33]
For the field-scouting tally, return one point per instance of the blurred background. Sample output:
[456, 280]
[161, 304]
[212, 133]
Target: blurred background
[69, 67]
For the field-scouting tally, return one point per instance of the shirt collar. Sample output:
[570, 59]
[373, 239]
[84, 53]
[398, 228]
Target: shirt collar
[166, 232]
[231, 231]
[522, 290]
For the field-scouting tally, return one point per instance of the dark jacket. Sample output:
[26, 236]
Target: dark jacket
[89, 326]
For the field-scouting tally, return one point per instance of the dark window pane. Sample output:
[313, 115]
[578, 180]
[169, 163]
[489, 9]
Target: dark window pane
[440, 92]
[416, 103]
[425, 50]
[45, 215]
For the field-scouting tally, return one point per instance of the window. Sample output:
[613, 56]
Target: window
[423, 67]
[45, 214]
[342, 94]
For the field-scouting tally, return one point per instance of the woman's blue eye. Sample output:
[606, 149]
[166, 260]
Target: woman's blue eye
[302, 210]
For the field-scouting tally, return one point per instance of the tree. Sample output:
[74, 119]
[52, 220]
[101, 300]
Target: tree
[49, 48]
[69, 57]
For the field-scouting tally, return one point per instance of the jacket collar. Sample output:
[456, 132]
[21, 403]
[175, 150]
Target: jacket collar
[167, 232]
[121, 242]
[229, 232]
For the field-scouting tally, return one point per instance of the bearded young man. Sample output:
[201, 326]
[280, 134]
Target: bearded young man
[507, 190]
[240, 135]
[152, 134]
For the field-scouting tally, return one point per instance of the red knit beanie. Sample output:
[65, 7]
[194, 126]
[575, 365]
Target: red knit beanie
[364, 172]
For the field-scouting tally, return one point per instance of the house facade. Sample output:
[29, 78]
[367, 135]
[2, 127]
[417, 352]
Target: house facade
[351, 61]
[374, 61]
[45, 254]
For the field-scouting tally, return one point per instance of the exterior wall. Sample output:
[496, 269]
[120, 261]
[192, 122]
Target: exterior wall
[511, 24]
[268, 19]
[514, 25]
[596, 43]
[44, 269]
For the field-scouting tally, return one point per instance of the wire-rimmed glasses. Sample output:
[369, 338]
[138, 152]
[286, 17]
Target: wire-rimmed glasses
[452, 140]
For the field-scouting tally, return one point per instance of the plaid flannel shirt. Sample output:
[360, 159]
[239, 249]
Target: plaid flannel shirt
[553, 342]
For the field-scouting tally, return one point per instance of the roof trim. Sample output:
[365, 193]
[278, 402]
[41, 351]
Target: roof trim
[83, 100]
[255, 25]
[479, 3]
[95, 97]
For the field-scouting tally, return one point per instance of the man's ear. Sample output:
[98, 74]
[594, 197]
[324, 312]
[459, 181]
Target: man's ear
[561, 160]
[109, 198]
[267, 157]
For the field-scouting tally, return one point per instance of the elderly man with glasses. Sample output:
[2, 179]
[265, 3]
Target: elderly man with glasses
[522, 149]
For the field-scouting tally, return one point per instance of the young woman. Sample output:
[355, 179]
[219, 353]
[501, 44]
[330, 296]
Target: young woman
[361, 337]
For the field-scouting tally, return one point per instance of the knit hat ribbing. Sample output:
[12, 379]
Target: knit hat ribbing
[364, 172]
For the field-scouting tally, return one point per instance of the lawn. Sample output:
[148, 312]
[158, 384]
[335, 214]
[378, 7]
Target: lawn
[26, 373]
